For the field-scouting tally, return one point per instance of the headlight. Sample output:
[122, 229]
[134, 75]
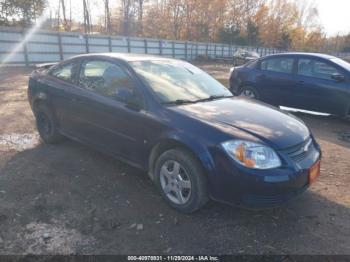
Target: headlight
[252, 155]
[231, 70]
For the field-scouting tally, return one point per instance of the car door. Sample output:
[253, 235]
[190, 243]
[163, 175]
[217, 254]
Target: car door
[275, 80]
[106, 120]
[317, 90]
[60, 83]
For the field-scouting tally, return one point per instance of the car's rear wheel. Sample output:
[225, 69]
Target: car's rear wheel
[47, 124]
[181, 180]
[249, 92]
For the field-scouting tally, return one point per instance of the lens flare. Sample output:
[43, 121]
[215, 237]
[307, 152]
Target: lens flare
[18, 47]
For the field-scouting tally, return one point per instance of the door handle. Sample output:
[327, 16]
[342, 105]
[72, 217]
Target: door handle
[301, 82]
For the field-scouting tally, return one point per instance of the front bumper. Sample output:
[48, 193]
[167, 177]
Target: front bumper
[237, 185]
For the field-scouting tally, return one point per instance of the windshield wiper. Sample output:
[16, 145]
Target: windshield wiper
[186, 101]
[213, 97]
[179, 102]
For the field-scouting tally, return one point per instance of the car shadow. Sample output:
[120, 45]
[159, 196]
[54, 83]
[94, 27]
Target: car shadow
[68, 198]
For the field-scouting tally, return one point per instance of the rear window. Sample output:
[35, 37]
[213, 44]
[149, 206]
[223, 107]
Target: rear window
[251, 64]
[64, 72]
[280, 64]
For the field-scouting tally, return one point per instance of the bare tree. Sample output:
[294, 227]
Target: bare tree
[87, 24]
[65, 23]
[126, 10]
[107, 17]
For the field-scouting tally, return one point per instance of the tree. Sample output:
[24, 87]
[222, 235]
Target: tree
[252, 33]
[231, 35]
[285, 24]
[346, 45]
[21, 12]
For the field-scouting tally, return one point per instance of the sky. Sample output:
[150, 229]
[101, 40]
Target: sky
[334, 14]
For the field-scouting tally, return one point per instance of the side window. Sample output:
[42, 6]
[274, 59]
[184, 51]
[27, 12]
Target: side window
[64, 72]
[315, 68]
[281, 65]
[105, 78]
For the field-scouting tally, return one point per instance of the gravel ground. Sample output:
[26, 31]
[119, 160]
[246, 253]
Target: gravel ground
[67, 198]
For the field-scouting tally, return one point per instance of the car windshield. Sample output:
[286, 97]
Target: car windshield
[342, 63]
[179, 82]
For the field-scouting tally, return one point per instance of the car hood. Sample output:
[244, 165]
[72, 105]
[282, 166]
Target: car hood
[264, 122]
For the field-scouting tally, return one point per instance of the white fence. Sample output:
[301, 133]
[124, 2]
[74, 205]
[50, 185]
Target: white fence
[16, 47]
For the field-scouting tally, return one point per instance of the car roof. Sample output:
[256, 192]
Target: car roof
[127, 57]
[319, 55]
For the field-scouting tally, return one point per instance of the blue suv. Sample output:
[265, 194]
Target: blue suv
[315, 82]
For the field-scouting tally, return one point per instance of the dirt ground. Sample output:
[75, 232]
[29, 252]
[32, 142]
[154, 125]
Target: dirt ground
[68, 198]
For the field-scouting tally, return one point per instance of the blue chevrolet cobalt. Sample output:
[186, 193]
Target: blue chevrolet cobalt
[186, 130]
[308, 81]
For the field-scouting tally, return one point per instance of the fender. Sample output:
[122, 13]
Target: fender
[40, 96]
[187, 141]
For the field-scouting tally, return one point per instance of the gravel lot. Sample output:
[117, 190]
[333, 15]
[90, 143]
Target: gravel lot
[68, 198]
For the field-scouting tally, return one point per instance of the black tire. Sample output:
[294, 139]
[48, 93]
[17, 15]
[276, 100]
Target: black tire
[199, 194]
[47, 124]
[249, 89]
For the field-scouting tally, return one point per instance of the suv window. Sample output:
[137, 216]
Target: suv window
[104, 78]
[315, 68]
[281, 65]
[64, 72]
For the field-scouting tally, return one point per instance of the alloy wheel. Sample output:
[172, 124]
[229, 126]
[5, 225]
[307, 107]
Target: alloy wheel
[175, 182]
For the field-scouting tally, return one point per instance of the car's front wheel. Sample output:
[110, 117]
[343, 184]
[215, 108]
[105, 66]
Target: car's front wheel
[47, 125]
[181, 180]
[249, 92]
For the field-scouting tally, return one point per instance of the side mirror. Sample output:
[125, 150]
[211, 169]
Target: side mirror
[129, 97]
[338, 77]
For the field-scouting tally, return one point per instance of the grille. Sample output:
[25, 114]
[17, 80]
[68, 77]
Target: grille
[301, 151]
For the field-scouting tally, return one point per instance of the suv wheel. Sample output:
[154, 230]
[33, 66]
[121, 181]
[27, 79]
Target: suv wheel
[181, 180]
[47, 125]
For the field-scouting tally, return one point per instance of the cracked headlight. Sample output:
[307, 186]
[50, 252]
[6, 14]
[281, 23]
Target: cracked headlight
[252, 155]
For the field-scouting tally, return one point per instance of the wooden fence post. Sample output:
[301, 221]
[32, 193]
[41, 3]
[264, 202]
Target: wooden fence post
[110, 44]
[25, 49]
[160, 47]
[191, 51]
[128, 44]
[173, 49]
[60, 48]
[87, 43]
[146, 45]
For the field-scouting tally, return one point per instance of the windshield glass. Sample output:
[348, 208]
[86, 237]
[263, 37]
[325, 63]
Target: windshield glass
[178, 81]
[342, 63]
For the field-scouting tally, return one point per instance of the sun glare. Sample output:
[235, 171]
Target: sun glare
[18, 47]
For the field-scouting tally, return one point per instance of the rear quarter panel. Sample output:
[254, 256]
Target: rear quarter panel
[36, 88]
[242, 76]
